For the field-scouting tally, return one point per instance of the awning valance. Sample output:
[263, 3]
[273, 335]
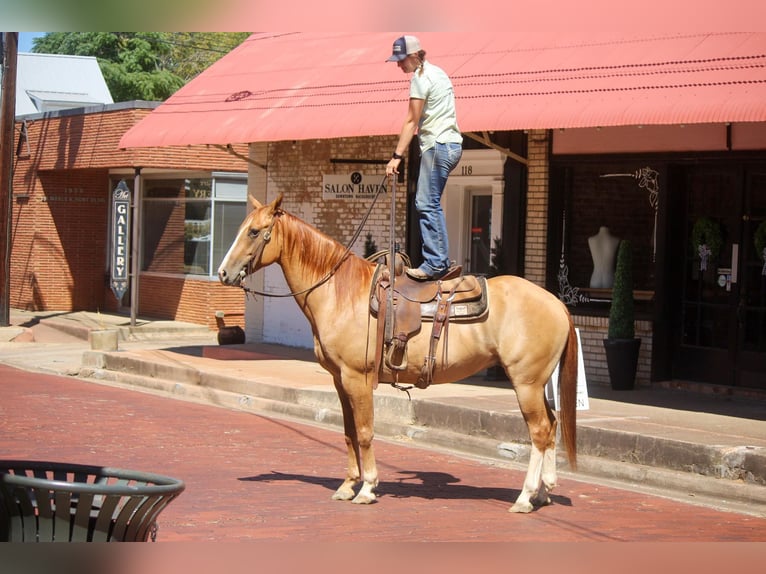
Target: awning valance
[298, 86]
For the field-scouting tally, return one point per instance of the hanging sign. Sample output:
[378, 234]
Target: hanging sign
[120, 239]
[351, 186]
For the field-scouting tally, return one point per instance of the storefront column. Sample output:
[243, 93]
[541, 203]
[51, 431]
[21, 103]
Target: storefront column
[135, 249]
[257, 179]
[537, 206]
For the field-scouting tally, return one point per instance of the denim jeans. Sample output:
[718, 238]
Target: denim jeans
[435, 166]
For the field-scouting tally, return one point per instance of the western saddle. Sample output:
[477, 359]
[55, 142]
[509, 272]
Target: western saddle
[401, 313]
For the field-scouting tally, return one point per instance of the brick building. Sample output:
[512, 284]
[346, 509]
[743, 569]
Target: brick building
[67, 165]
[644, 135]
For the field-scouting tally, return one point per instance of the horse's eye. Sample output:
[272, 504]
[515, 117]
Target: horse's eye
[253, 233]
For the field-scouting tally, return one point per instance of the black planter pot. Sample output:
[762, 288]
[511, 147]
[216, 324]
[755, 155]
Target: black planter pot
[622, 361]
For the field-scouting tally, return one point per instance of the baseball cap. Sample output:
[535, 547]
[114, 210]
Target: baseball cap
[403, 47]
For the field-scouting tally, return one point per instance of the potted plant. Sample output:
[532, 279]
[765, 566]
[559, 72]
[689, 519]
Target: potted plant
[621, 344]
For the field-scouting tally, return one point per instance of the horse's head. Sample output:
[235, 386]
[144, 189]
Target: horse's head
[252, 247]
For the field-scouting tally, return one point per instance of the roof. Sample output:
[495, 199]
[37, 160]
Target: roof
[46, 82]
[297, 86]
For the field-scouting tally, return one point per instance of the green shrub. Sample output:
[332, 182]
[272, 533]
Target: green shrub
[621, 312]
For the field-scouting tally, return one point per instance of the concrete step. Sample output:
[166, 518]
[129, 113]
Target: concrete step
[80, 324]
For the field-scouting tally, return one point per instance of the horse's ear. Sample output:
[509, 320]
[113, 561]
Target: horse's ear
[275, 205]
[254, 203]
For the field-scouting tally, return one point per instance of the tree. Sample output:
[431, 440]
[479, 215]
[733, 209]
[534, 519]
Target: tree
[143, 65]
[192, 52]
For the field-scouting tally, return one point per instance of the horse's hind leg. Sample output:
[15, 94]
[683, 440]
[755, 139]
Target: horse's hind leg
[541, 472]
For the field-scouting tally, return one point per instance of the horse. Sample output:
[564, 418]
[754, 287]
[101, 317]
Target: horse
[527, 330]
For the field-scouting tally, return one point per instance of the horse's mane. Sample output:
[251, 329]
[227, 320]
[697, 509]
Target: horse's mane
[318, 253]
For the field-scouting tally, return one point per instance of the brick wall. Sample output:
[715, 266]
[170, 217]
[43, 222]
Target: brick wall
[193, 300]
[58, 258]
[60, 216]
[296, 169]
[593, 331]
[537, 207]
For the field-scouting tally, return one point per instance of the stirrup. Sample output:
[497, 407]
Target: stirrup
[396, 357]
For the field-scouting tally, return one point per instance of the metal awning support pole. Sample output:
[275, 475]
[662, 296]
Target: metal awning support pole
[135, 247]
[8, 60]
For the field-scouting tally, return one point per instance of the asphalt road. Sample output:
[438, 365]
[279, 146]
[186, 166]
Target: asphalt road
[255, 478]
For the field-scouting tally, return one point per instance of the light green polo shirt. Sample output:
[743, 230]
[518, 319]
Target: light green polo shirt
[439, 120]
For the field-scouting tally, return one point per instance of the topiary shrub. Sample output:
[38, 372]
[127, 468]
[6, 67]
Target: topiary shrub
[621, 312]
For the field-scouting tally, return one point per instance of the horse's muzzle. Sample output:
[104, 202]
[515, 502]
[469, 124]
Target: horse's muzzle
[227, 279]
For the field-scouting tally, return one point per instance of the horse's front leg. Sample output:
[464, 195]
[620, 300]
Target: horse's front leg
[358, 393]
[346, 490]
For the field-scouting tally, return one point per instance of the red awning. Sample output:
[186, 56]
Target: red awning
[298, 86]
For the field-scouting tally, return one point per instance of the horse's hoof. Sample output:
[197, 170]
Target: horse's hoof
[364, 499]
[521, 508]
[343, 493]
[542, 501]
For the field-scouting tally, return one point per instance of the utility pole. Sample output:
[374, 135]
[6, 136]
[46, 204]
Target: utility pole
[10, 46]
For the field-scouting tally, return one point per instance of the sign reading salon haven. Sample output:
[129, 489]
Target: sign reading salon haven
[352, 186]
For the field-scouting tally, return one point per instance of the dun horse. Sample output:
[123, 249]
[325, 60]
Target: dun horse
[527, 330]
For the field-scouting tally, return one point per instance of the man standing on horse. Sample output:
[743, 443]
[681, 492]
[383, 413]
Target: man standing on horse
[432, 113]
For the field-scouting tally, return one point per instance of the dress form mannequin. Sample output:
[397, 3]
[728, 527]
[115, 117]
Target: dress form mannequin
[603, 248]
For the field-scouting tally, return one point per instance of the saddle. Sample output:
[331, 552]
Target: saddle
[401, 314]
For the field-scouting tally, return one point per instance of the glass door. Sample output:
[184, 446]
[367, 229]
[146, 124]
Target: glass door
[751, 306]
[480, 231]
[722, 338]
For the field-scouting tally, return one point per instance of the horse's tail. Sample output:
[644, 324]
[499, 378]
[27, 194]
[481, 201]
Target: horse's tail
[568, 390]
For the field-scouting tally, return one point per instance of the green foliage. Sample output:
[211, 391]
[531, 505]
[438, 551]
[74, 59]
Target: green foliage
[143, 65]
[621, 312]
[707, 232]
[192, 52]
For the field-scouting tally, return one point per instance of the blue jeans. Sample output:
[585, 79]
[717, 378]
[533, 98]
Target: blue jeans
[435, 166]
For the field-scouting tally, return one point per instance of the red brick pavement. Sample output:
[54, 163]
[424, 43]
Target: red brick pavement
[255, 478]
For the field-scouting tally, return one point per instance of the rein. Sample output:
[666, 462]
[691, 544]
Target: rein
[330, 273]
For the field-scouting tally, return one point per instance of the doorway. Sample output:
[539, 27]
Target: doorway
[480, 232]
[720, 323]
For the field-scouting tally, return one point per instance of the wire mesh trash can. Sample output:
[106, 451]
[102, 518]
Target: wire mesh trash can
[61, 502]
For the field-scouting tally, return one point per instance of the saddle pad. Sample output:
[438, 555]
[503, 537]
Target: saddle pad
[468, 300]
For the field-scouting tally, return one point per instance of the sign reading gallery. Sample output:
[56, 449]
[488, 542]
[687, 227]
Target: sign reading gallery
[352, 186]
[120, 239]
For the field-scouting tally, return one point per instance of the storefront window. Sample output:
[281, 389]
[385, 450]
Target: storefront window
[188, 224]
[595, 206]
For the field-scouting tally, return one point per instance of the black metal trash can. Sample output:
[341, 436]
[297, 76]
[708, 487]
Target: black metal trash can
[61, 502]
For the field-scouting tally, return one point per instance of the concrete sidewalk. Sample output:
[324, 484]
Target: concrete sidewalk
[703, 445]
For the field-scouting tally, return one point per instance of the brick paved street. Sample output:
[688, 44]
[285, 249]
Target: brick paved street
[254, 478]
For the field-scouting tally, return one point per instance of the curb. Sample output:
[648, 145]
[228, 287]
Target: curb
[695, 473]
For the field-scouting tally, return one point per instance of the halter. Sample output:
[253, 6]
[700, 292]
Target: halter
[267, 237]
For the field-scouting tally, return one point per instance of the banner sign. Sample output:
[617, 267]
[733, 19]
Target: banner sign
[583, 404]
[352, 186]
[120, 239]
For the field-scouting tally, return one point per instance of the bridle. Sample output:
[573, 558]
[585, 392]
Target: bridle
[266, 237]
